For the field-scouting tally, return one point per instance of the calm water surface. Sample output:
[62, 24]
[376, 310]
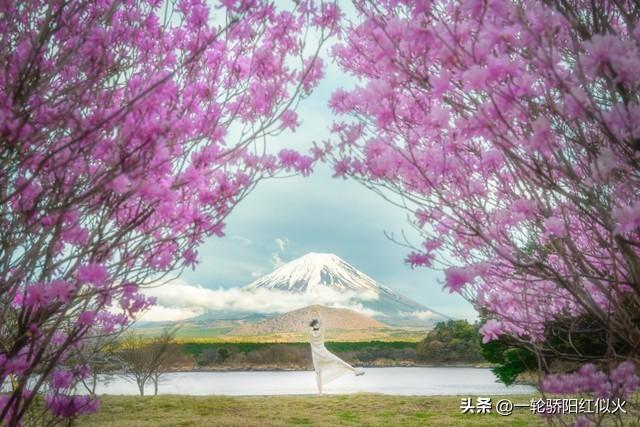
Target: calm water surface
[399, 381]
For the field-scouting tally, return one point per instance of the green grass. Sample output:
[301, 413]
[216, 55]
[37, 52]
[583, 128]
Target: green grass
[346, 410]
[221, 334]
[188, 332]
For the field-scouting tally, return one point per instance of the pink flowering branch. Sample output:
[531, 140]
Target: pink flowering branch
[509, 130]
[129, 132]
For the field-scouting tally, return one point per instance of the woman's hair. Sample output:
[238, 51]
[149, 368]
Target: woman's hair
[314, 322]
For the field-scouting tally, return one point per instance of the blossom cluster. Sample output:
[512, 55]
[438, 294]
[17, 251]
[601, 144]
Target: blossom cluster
[129, 131]
[509, 130]
[621, 382]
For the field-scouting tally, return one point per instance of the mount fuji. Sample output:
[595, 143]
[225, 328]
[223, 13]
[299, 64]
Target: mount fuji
[323, 274]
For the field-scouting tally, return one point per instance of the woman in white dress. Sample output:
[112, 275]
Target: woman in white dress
[327, 365]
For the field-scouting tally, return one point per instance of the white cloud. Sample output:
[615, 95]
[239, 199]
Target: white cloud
[425, 315]
[357, 306]
[282, 244]
[160, 313]
[276, 260]
[178, 300]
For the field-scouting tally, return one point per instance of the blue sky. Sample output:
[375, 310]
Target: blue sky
[286, 218]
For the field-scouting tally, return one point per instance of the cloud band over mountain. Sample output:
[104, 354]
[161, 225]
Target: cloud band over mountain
[178, 300]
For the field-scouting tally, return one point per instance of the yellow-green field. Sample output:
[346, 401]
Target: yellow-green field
[346, 410]
[222, 335]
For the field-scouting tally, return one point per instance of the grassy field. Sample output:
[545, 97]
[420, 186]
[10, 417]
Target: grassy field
[207, 335]
[346, 410]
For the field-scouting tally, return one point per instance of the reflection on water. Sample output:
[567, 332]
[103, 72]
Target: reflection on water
[400, 381]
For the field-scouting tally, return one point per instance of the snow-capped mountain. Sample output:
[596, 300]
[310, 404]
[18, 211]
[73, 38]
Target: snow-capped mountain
[314, 271]
[323, 273]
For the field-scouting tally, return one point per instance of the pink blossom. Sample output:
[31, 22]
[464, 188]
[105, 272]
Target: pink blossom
[621, 382]
[542, 137]
[341, 101]
[93, 273]
[422, 217]
[317, 153]
[86, 318]
[625, 380]
[341, 168]
[555, 226]
[289, 119]
[491, 330]
[120, 184]
[312, 74]
[528, 208]
[416, 259]
[288, 158]
[457, 277]
[16, 364]
[190, 257]
[61, 379]
[129, 289]
[431, 244]
[69, 406]
[627, 218]
[37, 296]
[513, 124]
[76, 235]
[607, 162]
[576, 102]
[304, 165]
[475, 77]
[598, 52]
[329, 15]
[441, 83]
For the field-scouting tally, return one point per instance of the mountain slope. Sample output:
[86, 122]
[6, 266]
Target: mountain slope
[297, 321]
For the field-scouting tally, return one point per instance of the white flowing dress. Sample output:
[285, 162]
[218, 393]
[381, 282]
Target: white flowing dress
[328, 366]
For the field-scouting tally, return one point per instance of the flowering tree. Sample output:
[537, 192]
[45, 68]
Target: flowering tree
[128, 132]
[510, 130]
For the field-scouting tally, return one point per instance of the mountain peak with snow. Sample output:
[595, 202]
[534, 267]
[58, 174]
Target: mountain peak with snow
[317, 273]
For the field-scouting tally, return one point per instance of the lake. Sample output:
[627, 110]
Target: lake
[399, 381]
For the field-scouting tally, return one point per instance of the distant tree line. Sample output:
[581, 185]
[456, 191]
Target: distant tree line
[455, 341]
[297, 355]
